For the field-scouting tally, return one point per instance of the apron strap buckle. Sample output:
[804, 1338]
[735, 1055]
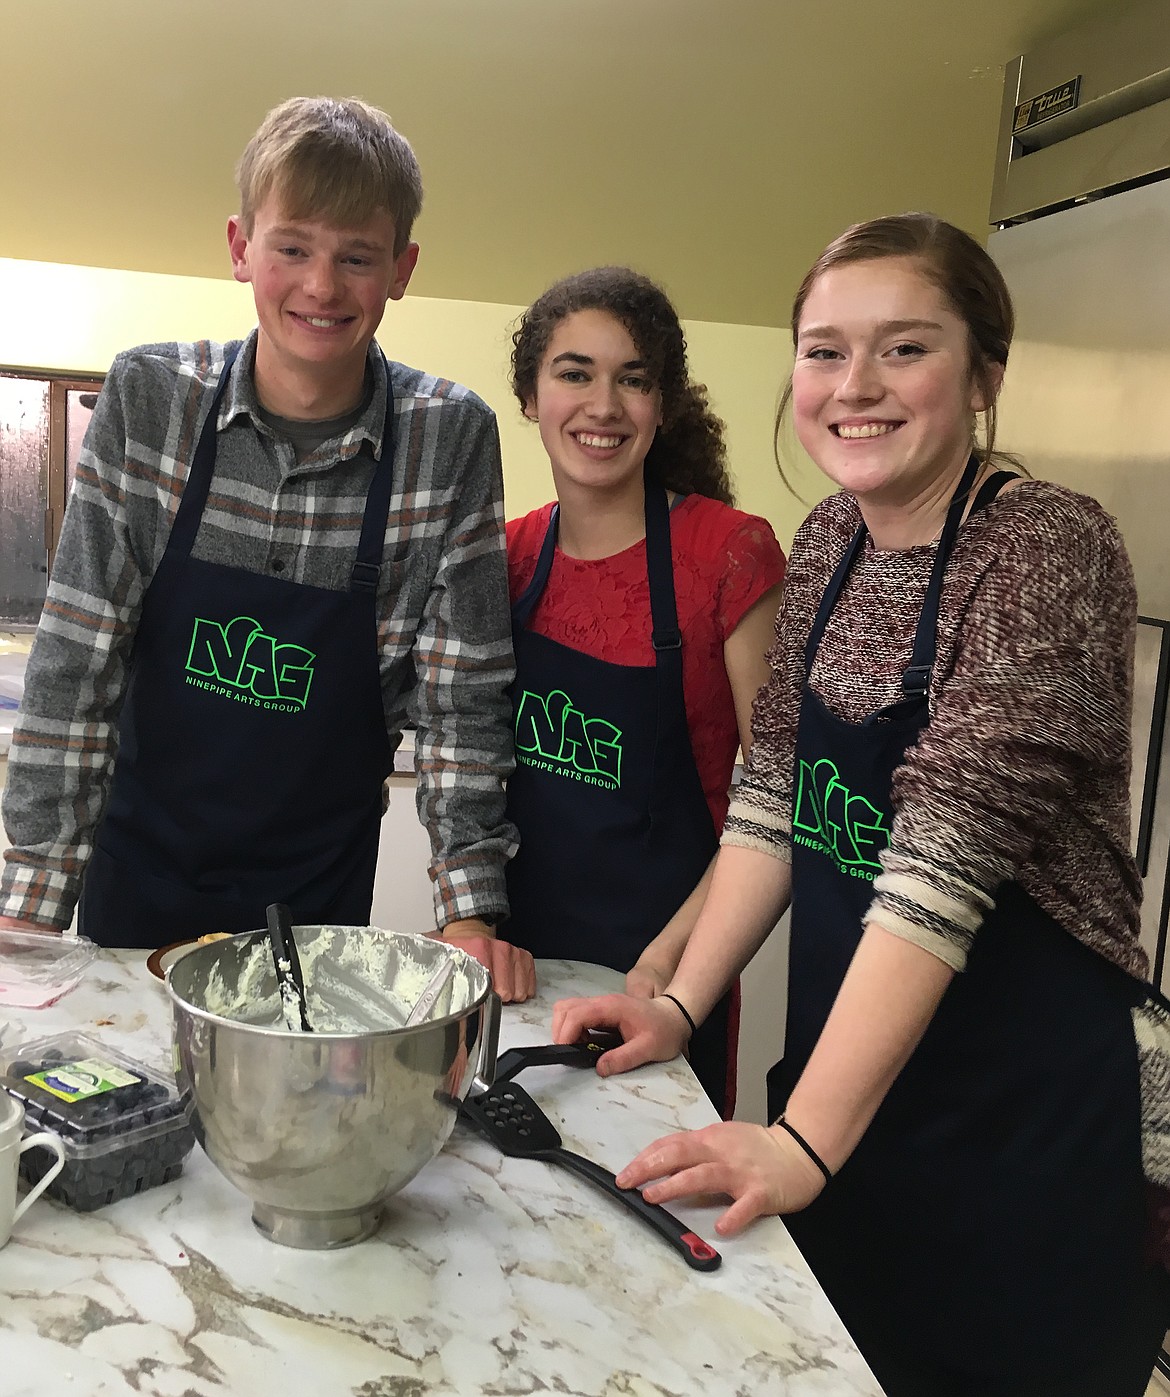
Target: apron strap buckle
[364, 577]
[667, 639]
[916, 681]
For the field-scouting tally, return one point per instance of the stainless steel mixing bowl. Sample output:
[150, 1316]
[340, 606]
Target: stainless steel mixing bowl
[319, 1129]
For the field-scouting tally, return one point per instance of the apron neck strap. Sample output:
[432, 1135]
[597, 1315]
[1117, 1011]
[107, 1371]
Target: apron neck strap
[665, 634]
[990, 488]
[667, 641]
[525, 603]
[829, 598]
[363, 576]
[916, 678]
[195, 491]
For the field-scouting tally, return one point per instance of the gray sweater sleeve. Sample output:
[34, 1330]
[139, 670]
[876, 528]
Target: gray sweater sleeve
[63, 747]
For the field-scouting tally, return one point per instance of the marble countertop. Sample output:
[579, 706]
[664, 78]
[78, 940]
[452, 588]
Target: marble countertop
[488, 1276]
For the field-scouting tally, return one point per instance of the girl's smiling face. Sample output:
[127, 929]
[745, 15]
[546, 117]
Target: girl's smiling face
[596, 403]
[883, 392]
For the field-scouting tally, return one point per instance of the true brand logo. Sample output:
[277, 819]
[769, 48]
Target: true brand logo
[552, 735]
[832, 820]
[240, 662]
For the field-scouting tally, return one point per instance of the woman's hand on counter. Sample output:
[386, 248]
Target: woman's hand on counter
[653, 1030]
[512, 969]
[761, 1168]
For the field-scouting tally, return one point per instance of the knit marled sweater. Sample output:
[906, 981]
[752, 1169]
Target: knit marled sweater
[1023, 772]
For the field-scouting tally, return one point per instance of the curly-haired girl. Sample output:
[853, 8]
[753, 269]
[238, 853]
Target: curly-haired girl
[643, 604]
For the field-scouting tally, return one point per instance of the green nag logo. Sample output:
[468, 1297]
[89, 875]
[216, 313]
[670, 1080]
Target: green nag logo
[829, 818]
[241, 662]
[552, 735]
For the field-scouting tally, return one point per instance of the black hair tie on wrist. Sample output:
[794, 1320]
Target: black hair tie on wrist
[682, 1008]
[806, 1147]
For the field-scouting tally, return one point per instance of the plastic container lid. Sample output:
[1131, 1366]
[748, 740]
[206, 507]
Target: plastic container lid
[97, 1099]
[37, 969]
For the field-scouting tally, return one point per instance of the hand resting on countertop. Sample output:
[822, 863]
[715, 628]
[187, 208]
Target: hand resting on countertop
[653, 1029]
[760, 1167]
[513, 970]
[15, 924]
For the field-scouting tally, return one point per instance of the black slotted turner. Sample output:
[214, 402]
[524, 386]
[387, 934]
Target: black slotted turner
[583, 1053]
[516, 1125]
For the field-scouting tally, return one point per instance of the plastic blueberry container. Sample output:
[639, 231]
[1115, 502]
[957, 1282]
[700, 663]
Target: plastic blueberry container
[124, 1125]
[36, 970]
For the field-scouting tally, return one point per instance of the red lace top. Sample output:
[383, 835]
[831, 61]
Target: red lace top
[724, 561]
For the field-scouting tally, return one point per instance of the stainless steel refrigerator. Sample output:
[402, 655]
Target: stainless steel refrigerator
[1087, 403]
[1081, 212]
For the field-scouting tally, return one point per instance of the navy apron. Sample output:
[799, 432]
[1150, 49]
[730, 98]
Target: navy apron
[615, 831]
[252, 744]
[991, 1220]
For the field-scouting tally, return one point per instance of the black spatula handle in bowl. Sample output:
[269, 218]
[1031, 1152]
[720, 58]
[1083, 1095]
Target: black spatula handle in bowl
[290, 978]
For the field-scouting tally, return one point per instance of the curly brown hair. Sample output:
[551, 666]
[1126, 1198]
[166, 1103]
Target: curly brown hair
[688, 453]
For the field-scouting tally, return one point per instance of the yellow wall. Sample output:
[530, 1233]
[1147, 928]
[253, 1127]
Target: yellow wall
[77, 318]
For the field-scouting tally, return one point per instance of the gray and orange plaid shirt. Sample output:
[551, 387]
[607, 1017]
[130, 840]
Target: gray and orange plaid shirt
[444, 629]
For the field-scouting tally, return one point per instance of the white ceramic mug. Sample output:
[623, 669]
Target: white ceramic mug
[11, 1148]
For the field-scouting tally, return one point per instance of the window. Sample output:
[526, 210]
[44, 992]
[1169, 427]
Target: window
[43, 418]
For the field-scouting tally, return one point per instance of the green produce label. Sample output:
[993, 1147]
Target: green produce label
[74, 1081]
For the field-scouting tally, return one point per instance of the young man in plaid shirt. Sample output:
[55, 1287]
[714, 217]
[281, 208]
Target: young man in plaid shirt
[276, 553]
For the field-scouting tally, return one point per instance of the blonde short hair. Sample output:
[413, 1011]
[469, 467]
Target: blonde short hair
[334, 158]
